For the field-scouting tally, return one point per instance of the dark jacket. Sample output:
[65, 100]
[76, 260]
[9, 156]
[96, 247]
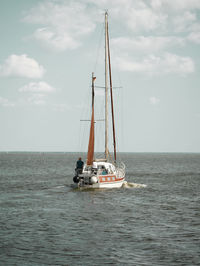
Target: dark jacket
[79, 164]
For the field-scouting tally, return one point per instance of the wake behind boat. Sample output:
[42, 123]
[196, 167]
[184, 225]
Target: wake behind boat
[105, 172]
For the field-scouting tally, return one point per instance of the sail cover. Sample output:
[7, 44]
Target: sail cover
[90, 155]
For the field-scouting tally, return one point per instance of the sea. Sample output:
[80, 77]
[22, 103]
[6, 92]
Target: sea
[154, 219]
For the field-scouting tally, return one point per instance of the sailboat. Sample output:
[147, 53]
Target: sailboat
[105, 172]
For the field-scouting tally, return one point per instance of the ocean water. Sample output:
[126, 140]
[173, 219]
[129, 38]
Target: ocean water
[153, 220]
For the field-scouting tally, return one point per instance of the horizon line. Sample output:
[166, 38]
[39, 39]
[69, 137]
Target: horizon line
[37, 151]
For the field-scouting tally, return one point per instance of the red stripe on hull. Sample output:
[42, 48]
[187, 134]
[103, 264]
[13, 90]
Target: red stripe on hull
[109, 178]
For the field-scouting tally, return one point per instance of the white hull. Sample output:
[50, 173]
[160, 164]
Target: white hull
[115, 184]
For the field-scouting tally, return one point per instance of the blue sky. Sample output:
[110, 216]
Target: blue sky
[49, 49]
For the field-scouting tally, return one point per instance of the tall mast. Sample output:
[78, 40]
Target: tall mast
[111, 96]
[106, 86]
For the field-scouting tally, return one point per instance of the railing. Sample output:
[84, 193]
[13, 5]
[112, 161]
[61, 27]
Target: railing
[120, 169]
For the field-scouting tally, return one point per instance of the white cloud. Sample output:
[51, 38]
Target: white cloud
[37, 87]
[161, 24]
[153, 100]
[52, 39]
[63, 24]
[136, 15]
[145, 19]
[21, 66]
[156, 65]
[159, 16]
[37, 92]
[5, 102]
[146, 44]
[153, 15]
[37, 99]
[194, 37]
[180, 4]
[183, 22]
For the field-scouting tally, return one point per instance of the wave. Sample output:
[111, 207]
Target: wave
[133, 185]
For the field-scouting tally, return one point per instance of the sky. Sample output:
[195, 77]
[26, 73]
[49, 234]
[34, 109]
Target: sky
[49, 49]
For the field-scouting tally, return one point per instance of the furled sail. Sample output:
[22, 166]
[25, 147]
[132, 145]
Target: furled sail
[90, 155]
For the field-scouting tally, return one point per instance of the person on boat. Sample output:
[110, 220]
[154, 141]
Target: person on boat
[79, 166]
[104, 171]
